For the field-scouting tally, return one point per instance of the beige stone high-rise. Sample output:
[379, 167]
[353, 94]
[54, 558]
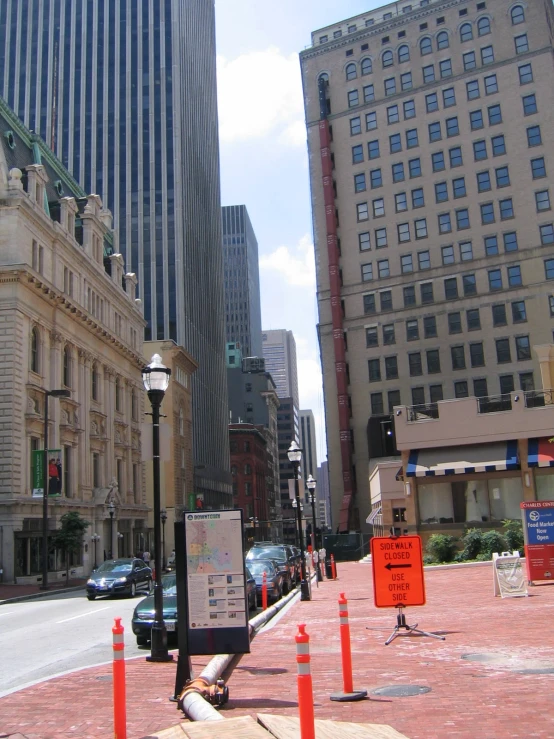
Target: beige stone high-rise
[430, 135]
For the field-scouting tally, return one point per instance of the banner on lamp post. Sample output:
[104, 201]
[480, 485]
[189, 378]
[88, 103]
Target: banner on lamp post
[54, 472]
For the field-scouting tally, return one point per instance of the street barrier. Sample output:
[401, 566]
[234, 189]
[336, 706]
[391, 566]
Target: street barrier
[264, 591]
[333, 568]
[119, 700]
[305, 690]
[348, 694]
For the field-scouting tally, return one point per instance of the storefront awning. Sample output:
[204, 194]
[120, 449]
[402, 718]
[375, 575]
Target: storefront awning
[463, 460]
[541, 452]
[373, 515]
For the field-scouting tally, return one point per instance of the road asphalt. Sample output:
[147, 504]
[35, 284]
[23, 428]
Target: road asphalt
[490, 678]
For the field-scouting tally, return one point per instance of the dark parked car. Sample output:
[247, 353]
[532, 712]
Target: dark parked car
[119, 577]
[143, 616]
[274, 578]
[282, 555]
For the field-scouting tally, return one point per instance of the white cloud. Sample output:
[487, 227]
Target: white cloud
[295, 265]
[260, 94]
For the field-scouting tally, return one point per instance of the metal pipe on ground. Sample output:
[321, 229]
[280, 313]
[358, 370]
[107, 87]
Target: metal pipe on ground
[192, 700]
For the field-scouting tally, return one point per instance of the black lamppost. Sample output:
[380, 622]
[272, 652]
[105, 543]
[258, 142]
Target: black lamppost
[163, 519]
[296, 528]
[156, 380]
[45, 484]
[295, 455]
[111, 511]
[95, 538]
[310, 484]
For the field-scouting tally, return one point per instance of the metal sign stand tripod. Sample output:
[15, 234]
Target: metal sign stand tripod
[401, 624]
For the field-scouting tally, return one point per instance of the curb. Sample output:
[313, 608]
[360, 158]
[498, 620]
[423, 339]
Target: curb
[33, 596]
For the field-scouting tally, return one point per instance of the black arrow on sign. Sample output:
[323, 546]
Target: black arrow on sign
[395, 567]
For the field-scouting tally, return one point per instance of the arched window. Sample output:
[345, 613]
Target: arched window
[483, 26]
[67, 366]
[367, 67]
[466, 32]
[387, 59]
[518, 15]
[442, 40]
[94, 382]
[351, 72]
[403, 54]
[323, 77]
[181, 421]
[425, 46]
[35, 350]
[118, 395]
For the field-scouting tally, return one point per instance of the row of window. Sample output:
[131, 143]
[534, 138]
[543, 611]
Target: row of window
[460, 359]
[461, 390]
[454, 323]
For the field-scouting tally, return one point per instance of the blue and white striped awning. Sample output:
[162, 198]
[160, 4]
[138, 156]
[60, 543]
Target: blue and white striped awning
[463, 460]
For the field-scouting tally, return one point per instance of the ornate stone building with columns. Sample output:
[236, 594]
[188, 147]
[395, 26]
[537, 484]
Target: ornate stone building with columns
[70, 321]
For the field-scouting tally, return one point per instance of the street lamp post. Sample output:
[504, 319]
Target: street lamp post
[156, 380]
[45, 481]
[310, 484]
[296, 538]
[163, 519]
[295, 455]
[111, 511]
[95, 538]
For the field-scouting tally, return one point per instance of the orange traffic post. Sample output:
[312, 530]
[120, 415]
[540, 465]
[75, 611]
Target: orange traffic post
[348, 694]
[119, 708]
[264, 592]
[305, 689]
[333, 568]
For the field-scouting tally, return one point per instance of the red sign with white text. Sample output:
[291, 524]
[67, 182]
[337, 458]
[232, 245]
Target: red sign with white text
[397, 565]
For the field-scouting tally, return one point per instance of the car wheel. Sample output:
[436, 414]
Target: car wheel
[91, 597]
[133, 591]
[142, 641]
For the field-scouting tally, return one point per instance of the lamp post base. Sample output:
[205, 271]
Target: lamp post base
[158, 650]
[305, 590]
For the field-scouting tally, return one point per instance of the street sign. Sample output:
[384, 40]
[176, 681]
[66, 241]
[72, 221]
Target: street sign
[397, 571]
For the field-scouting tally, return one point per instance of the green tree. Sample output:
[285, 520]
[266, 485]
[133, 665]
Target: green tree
[441, 547]
[513, 534]
[69, 538]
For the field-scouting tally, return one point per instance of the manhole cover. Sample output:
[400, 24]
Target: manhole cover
[536, 671]
[105, 677]
[401, 691]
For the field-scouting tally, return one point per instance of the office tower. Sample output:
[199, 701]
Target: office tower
[308, 445]
[428, 132]
[323, 496]
[279, 350]
[242, 281]
[125, 94]
[287, 431]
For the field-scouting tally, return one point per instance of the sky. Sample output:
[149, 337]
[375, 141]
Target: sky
[264, 163]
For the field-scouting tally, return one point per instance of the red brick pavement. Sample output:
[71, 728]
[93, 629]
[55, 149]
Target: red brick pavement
[498, 698]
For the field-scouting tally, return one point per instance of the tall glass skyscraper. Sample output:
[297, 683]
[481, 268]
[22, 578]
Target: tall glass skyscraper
[124, 92]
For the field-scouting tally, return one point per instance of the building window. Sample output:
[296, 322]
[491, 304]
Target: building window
[387, 59]
[118, 395]
[353, 98]
[414, 166]
[363, 241]
[421, 228]
[35, 350]
[510, 241]
[499, 315]
[483, 181]
[95, 389]
[367, 272]
[461, 389]
[452, 128]
[426, 289]
[491, 245]
[514, 276]
[429, 73]
[506, 384]
[357, 154]
[542, 200]
[424, 261]
[472, 90]
[366, 66]
[466, 32]
[433, 361]
[412, 138]
[393, 116]
[455, 155]
[529, 104]
[438, 161]
[377, 408]
[431, 102]
[418, 200]
[502, 177]
[523, 348]
[369, 304]
[521, 43]
[466, 251]
[538, 168]
[393, 399]
[371, 337]
[351, 72]
[391, 368]
[487, 55]
[355, 126]
[447, 253]
[374, 368]
[491, 84]
[495, 115]
[135, 413]
[375, 178]
[469, 284]
[525, 74]
[459, 187]
[383, 269]
[414, 363]
[409, 109]
[469, 61]
[441, 192]
[429, 327]
[398, 172]
[435, 133]
[487, 213]
[450, 288]
[359, 182]
[390, 86]
[517, 15]
[476, 354]
[395, 143]
[380, 238]
[534, 137]
[412, 330]
[445, 68]
[448, 97]
[378, 207]
[547, 233]
[67, 367]
[388, 334]
[406, 264]
[526, 381]
[519, 312]
[483, 26]
[462, 219]
[498, 145]
[425, 46]
[403, 232]
[409, 296]
[473, 319]
[406, 81]
[495, 279]
[458, 357]
[506, 209]
[369, 93]
[362, 211]
[480, 388]
[442, 40]
[373, 149]
[479, 150]
[455, 323]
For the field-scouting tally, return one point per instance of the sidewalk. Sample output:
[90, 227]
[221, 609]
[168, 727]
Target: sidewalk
[490, 679]
[15, 593]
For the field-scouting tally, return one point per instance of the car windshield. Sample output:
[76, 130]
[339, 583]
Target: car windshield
[115, 566]
[259, 567]
[169, 584]
[267, 553]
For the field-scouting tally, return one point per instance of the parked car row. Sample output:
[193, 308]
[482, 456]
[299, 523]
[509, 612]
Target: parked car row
[286, 557]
